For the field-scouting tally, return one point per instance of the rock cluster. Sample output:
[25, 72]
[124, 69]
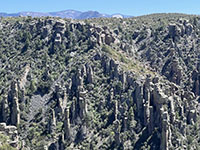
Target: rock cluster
[11, 132]
[156, 103]
[180, 29]
[102, 35]
[173, 71]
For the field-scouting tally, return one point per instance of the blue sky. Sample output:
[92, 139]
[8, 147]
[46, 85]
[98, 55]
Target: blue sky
[128, 7]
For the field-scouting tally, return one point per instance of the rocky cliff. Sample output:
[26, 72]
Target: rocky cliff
[101, 83]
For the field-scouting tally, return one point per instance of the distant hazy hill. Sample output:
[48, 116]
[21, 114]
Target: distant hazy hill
[65, 14]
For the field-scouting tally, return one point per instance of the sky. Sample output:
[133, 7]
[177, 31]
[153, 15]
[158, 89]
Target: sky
[127, 7]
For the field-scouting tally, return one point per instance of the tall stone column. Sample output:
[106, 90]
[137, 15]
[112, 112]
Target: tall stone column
[82, 104]
[151, 120]
[117, 132]
[14, 106]
[67, 133]
[166, 132]
[4, 110]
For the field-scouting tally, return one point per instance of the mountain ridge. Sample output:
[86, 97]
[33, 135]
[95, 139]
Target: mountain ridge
[72, 14]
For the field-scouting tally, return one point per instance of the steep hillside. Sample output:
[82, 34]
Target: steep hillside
[100, 83]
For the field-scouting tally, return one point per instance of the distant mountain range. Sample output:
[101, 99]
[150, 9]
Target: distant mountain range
[73, 14]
